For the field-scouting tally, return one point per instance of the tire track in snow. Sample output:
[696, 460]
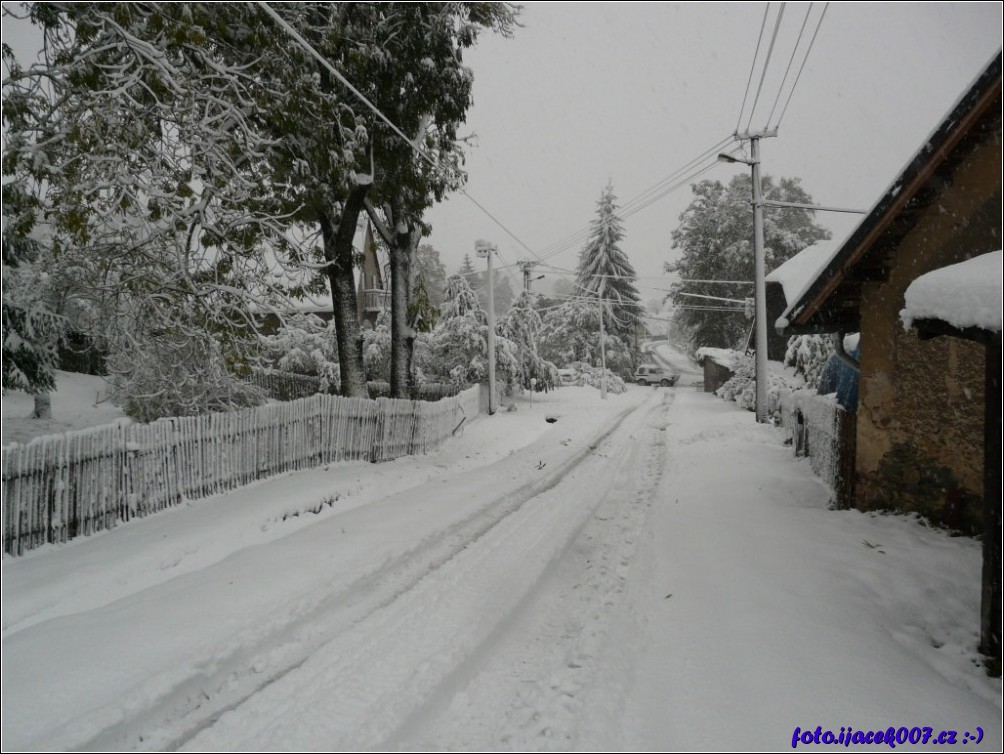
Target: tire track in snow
[265, 655]
[365, 682]
[551, 679]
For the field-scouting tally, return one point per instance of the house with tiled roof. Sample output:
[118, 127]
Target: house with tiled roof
[926, 405]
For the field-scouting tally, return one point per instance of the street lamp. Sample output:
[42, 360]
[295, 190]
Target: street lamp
[484, 250]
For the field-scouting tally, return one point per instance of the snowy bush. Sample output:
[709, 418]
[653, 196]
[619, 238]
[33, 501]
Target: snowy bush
[586, 375]
[808, 355]
[741, 388]
[176, 375]
[305, 344]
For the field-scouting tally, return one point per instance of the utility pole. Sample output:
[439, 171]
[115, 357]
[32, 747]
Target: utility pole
[603, 345]
[527, 267]
[759, 279]
[485, 250]
[759, 284]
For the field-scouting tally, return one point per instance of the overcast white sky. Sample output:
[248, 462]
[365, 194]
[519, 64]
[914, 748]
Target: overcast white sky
[630, 92]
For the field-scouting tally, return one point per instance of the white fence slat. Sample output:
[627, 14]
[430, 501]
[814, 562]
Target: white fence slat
[62, 486]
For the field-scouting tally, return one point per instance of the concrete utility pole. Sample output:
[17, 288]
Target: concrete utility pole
[759, 278]
[603, 346]
[527, 268]
[484, 250]
[759, 284]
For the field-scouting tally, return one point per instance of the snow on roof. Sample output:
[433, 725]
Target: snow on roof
[967, 294]
[984, 81]
[796, 274]
[724, 356]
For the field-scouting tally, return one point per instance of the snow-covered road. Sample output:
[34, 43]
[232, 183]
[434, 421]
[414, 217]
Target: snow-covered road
[373, 606]
[655, 571]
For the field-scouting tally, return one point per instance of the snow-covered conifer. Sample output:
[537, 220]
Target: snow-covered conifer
[605, 270]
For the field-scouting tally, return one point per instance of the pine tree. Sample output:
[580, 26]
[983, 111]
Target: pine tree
[467, 270]
[605, 270]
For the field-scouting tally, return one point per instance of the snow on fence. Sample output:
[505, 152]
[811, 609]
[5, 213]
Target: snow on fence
[63, 486]
[822, 430]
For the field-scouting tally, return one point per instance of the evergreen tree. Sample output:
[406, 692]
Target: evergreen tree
[467, 270]
[605, 270]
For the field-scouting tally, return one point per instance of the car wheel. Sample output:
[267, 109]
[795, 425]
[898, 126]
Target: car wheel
[642, 383]
[665, 383]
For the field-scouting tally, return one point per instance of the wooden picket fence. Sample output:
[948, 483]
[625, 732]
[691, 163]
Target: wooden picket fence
[59, 487]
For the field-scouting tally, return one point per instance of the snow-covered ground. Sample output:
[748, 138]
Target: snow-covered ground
[653, 571]
[78, 402]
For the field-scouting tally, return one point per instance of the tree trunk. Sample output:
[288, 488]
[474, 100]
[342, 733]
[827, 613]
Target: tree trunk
[338, 239]
[43, 406]
[402, 335]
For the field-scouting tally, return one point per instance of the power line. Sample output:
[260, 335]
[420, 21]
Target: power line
[666, 191]
[573, 239]
[766, 63]
[791, 60]
[808, 50]
[627, 206]
[763, 25]
[410, 142]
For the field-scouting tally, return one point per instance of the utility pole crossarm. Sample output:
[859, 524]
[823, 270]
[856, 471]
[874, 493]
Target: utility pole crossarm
[817, 207]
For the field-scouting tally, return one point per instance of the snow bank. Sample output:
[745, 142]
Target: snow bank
[967, 294]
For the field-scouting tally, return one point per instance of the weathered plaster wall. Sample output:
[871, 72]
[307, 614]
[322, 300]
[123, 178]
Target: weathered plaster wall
[920, 416]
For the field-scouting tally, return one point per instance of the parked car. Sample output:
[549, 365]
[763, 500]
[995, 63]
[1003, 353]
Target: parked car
[566, 376]
[653, 374]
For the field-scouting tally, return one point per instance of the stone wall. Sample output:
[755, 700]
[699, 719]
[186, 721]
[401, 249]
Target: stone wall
[920, 411]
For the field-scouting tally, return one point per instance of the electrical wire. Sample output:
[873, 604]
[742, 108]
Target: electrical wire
[791, 60]
[766, 63]
[558, 249]
[575, 238]
[808, 50]
[763, 25]
[410, 142]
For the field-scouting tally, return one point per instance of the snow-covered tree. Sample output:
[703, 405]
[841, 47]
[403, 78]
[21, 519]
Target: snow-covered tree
[604, 269]
[430, 273]
[571, 333]
[715, 242]
[180, 151]
[458, 348]
[304, 344]
[135, 142]
[521, 325]
[467, 270]
[808, 354]
[32, 331]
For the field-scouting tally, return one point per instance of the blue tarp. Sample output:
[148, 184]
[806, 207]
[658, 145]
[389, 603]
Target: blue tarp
[841, 378]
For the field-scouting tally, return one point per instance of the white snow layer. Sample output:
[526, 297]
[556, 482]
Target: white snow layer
[726, 357]
[797, 273]
[654, 571]
[800, 272]
[80, 401]
[967, 294]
